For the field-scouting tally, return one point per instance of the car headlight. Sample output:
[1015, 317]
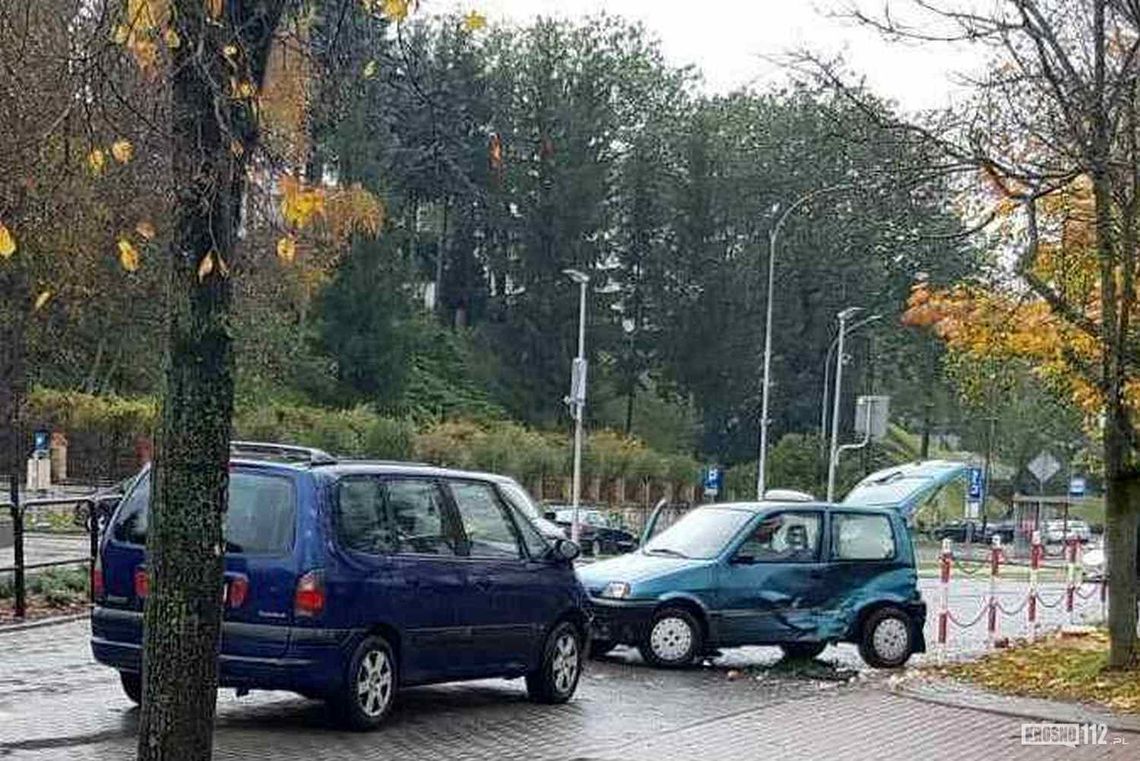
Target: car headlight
[616, 590]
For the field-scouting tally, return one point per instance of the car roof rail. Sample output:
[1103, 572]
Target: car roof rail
[287, 452]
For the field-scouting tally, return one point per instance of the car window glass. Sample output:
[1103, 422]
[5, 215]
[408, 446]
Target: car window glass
[259, 520]
[784, 538]
[490, 533]
[857, 536]
[536, 545]
[701, 533]
[377, 516]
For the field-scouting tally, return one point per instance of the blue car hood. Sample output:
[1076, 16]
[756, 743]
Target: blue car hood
[632, 568]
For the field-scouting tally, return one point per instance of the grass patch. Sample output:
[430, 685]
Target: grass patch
[1058, 667]
[55, 587]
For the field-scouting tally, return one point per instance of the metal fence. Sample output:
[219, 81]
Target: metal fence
[91, 506]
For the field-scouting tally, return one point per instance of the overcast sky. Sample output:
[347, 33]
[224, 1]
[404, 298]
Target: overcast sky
[728, 40]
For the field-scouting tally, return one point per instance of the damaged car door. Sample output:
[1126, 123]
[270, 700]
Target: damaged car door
[770, 585]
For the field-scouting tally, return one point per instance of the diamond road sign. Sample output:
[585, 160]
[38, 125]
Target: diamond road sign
[1044, 466]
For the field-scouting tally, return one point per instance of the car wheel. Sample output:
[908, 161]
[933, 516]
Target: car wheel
[673, 638]
[887, 640]
[599, 647]
[556, 678]
[370, 685]
[802, 650]
[132, 685]
[596, 548]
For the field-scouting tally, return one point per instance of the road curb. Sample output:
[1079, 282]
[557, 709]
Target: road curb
[42, 622]
[1037, 709]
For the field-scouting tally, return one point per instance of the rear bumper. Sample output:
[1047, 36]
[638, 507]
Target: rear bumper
[621, 621]
[312, 660]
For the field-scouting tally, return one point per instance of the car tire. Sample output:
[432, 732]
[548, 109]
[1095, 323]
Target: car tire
[887, 640]
[802, 650]
[556, 678]
[600, 647]
[132, 685]
[672, 639]
[369, 688]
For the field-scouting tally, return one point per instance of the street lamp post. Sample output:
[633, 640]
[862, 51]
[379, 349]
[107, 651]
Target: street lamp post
[827, 381]
[577, 398]
[773, 237]
[843, 316]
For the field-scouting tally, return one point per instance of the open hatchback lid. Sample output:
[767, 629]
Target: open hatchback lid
[905, 487]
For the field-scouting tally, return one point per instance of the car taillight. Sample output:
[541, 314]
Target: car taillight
[97, 582]
[236, 591]
[309, 599]
[142, 583]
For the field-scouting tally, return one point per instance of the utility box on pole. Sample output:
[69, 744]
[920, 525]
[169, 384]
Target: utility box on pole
[872, 413]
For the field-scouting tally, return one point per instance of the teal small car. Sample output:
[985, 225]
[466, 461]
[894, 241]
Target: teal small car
[793, 574]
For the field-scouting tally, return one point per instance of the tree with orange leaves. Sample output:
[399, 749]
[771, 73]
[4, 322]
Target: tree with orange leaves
[1054, 134]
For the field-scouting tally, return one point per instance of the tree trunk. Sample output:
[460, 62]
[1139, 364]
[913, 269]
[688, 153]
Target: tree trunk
[1122, 496]
[182, 617]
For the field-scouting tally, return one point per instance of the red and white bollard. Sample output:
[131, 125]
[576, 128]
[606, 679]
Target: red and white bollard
[1071, 575]
[995, 567]
[1035, 553]
[947, 560]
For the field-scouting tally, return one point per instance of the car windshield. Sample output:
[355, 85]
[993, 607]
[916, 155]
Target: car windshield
[701, 533]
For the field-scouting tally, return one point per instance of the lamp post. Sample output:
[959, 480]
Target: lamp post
[773, 238]
[843, 316]
[827, 380]
[577, 398]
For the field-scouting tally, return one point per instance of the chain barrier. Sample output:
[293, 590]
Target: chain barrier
[1031, 601]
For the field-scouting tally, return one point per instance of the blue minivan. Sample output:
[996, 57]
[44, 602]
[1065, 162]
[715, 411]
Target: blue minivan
[347, 580]
[799, 575]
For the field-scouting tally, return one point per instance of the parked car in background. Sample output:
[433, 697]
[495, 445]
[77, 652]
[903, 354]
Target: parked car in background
[798, 575]
[347, 580]
[596, 535]
[1056, 531]
[520, 498]
[970, 530]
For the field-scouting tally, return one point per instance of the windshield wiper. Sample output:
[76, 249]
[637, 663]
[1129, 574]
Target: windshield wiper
[665, 551]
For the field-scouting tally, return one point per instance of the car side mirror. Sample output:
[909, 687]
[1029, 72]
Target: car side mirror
[743, 560]
[564, 549]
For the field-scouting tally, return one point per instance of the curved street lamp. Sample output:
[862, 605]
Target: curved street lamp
[773, 237]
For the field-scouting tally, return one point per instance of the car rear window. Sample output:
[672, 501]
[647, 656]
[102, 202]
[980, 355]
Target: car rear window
[859, 536]
[260, 518]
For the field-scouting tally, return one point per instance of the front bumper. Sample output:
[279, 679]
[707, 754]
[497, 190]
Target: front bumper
[620, 621]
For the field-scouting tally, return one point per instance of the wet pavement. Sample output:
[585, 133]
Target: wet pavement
[56, 703]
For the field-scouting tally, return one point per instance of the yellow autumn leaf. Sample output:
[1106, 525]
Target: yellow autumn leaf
[206, 266]
[96, 160]
[299, 204]
[370, 70]
[41, 300]
[122, 150]
[223, 268]
[7, 242]
[214, 8]
[395, 10]
[128, 255]
[145, 229]
[236, 148]
[230, 51]
[474, 21]
[173, 41]
[286, 248]
[242, 89]
[121, 35]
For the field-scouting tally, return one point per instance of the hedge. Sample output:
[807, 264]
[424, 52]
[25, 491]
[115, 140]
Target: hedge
[499, 446]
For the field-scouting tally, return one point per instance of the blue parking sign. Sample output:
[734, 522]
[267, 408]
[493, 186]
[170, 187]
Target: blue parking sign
[714, 479]
[977, 484]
